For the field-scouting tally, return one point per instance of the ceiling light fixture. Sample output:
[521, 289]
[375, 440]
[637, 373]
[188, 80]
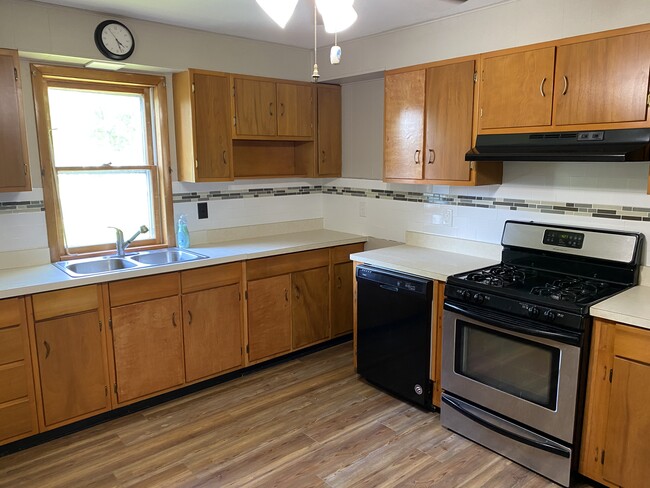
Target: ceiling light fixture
[337, 15]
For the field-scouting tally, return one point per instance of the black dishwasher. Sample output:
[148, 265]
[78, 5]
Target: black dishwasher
[394, 332]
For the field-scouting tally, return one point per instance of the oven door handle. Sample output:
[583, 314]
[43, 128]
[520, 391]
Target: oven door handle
[529, 441]
[507, 323]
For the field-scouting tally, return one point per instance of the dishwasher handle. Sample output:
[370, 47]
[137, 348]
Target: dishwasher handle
[389, 288]
[395, 281]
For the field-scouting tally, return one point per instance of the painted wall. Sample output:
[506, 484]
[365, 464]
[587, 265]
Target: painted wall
[350, 203]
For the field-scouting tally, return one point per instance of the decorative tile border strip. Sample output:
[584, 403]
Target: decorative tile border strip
[21, 207]
[641, 214]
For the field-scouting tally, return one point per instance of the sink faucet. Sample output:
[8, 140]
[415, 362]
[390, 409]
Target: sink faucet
[121, 244]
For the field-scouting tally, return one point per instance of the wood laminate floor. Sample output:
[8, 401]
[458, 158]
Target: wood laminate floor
[310, 422]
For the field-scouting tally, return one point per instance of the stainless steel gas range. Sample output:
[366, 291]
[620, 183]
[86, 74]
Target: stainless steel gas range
[516, 340]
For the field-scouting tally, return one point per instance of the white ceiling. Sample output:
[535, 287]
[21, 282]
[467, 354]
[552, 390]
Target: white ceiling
[244, 18]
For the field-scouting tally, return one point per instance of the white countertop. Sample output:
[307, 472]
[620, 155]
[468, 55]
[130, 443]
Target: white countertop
[422, 261]
[36, 279]
[632, 307]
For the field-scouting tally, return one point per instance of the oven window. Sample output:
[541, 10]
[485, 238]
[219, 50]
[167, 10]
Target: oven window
[520, 367]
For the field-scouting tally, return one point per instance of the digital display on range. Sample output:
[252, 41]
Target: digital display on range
[563, 238]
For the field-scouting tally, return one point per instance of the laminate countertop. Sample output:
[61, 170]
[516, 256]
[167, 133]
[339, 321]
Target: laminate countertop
[422, 261]
[36, 279]
[632, 307]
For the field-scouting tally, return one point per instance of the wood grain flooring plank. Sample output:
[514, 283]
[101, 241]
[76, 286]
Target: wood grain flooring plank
[309, 422]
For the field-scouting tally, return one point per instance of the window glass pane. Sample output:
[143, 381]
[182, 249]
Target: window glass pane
[93, 128]
[91, 201]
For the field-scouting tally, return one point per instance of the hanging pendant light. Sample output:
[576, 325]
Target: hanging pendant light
[337, 15]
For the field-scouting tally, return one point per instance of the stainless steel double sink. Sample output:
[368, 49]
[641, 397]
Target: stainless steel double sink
[106, 264]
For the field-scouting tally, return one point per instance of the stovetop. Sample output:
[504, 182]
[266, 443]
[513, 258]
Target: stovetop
[544, 287]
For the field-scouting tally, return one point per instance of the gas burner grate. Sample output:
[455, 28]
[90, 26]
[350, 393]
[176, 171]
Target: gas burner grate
[499, 276]
[570, 289]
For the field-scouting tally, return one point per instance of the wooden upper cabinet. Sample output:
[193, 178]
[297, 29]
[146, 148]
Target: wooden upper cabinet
[295, 110]
[449, 108]
[255, 107]
[329, 130]
[603, 81]
[404, 124]
[517, 89]
[202, 122]
[14, 163]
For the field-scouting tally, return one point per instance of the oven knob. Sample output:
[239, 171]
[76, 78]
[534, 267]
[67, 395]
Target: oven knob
[466, 295]
[533, 312]
[549, 315]
[478, 298]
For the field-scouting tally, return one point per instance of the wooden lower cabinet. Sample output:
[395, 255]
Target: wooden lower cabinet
[71, 354]
[148, 347]
[212, 331]
[269, 317]
[342, 313]
[70, 347]
[616, 428]
[17, 403]
[310, 306]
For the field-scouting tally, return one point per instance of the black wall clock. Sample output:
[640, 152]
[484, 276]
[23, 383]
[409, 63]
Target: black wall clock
[114, 40]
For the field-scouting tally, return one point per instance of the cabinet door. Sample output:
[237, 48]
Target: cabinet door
[148, 346]
[603, 81]
[212, 331]
[17, 404]
[295, 110]
[404, 125]
[212, 127]
[14, 165]
[74, 381]
[628, 427]
[269, 317]
[516, 89]
[342, 313]
[449, 107]
[310, 306]
[255, 108]
[329, 130]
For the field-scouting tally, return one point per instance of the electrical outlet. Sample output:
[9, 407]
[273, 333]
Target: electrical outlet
[202, 209]
[447, 217]
[441, 215]
[362, 209]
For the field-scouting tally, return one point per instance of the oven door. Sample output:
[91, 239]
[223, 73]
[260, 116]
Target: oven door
[494, 363]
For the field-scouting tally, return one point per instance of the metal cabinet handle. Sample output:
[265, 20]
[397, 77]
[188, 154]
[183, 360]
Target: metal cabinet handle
[282, 110]
[47, 349]
[297, 293]
[432, 156]
[323, 154]
[339, 282]
[566, 85]
[270, 108]
[223, 157]
[541, 87]
[174, 319]
[189, 314]
[416, 156]
[286, 295]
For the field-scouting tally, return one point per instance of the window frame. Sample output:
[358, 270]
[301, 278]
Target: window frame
[158, 156]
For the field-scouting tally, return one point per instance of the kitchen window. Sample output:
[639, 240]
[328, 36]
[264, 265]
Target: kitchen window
[104, 158]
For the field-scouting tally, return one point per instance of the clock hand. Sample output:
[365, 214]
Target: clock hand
[117, 40]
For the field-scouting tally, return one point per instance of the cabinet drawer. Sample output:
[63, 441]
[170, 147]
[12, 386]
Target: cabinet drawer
[10, 312]
[13, 382]
[11, 345]
[211, 277]
[287, 263]
[65, 302]
[341, 254]
[141, 289]
[15, 419]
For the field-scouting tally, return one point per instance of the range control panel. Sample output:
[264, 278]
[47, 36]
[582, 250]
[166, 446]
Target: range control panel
[562, 238]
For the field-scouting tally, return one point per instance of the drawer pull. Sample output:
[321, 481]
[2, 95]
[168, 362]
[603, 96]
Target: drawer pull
[416, 156]
[286, 295]
[47, 349]
[189, 313]
[541, 87]
[339, 282]
[566, 85]
[432, 156]
[174, 319]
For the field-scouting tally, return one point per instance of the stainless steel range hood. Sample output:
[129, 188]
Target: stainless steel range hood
[604, 146]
